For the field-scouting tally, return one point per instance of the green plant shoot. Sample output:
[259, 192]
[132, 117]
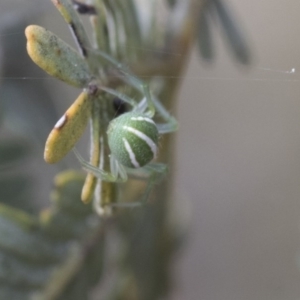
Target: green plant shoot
[121, 146]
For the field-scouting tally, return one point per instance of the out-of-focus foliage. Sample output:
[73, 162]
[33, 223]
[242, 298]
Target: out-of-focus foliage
[59, 253]
[217, 10]
[14, 186]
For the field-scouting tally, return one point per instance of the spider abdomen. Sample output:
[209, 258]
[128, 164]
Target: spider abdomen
[133, 139]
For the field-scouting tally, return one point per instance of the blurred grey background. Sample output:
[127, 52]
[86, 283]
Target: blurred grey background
[237, 172]
[238, 164]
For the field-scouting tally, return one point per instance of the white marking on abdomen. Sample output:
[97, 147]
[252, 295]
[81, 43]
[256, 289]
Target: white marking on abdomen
[131, 154]
[60, 123]
[143, 119]
[144, 137]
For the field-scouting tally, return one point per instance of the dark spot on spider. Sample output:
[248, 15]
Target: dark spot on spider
[120, 106]
[83, 8]
[61, 122]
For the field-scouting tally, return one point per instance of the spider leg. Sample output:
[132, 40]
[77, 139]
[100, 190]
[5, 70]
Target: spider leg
[171, 123]
[142, 106]
[121, 96]
[157, 171]
[144, 88]
[153, 172]
[131, 79]
[117, 169]
[106, 192]
[101, 174]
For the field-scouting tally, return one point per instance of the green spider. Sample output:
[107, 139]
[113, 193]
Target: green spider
[121, 146]
[133, 141]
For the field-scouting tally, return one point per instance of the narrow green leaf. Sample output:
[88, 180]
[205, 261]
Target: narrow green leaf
[66, 196]
[232, 32]
[16, 272]
[71, 16]
[56, 57]
[61, 226]
[68, 129]
[21, 218]
[204, 37]
[34, 247]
